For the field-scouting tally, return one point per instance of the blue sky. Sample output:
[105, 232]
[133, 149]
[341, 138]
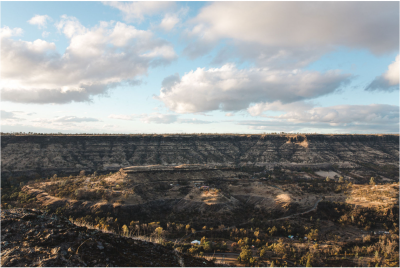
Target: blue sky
[200, 67]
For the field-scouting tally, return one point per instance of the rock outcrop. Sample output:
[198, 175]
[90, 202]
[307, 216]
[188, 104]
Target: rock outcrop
[68, 154]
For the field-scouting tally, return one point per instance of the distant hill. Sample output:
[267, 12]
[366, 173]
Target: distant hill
[44, 155]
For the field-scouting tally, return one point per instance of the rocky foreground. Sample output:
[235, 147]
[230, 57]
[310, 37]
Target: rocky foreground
[31, 237]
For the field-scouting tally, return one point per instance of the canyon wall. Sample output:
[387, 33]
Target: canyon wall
[49, 154]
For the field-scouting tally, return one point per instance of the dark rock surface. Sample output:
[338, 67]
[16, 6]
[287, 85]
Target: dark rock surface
[49, 154]
[31, 237]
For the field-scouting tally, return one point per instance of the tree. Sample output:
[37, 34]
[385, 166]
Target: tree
[207, 246]
[308, 264]
[263, 251]
[273, 231]
[327, 179]
[159, 232]
[82, 173]
[125, 230]
[372, 181]
[313, 235]
[272, 264]
[341, 179]
[279, 248]
[246, 254]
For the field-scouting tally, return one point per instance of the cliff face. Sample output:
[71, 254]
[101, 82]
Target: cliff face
[47, 154]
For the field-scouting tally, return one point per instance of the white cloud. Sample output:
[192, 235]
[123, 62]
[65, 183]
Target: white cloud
[389, 81]
[39, 20]
[229, 114]
[294, 33]
[193, 121]
[346, 114]
[9, 116]
[75, 119]
[122, 117]
[96, 60]
[230, 89]
[137, 11]
[6, 32]
[258, 108]
[169, 21]
[45, 34]
[74, 124]
[158, 118]
[373, 118]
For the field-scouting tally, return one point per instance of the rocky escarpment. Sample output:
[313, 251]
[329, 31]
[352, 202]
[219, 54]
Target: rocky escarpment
[33, 238]
[47, 154]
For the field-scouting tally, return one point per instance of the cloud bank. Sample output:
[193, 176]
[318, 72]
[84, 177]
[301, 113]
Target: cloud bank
[159, 118]
[137, 11]
[97, 59]
[285, 34]
[389, 81]
[373, 118]
[231, 89]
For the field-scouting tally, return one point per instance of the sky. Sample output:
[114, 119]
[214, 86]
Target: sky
[200, 67]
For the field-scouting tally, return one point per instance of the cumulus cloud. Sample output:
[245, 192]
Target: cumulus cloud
[294, 33]
[389, 81]
[39, 20]
[97, 59]
[137, 11]
[6, 32]
[169, 21]
[365, 118]
[230, 89]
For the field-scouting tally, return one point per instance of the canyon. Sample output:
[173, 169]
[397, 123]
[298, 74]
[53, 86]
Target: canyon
[45, 155]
